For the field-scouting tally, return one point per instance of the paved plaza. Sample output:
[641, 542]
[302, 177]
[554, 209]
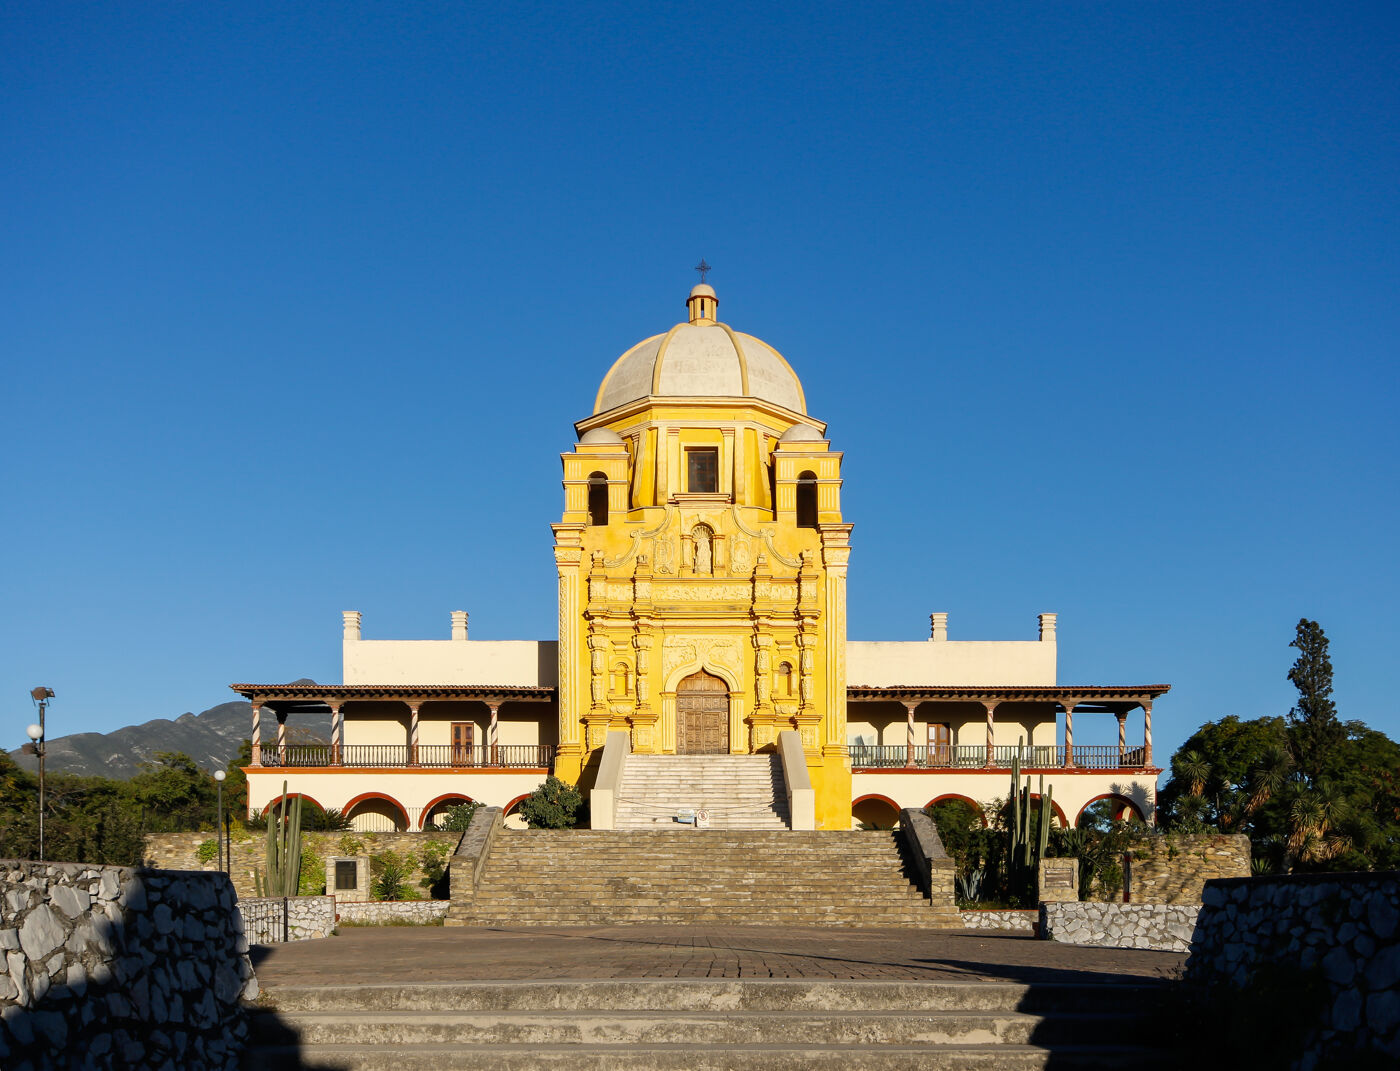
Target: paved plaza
[409, 955]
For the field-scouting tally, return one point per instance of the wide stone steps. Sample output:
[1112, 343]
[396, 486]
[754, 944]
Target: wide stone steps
[596, 877]
[701, 1025]
[735, 791]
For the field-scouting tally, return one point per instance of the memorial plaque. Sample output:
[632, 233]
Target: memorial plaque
[1059, 880]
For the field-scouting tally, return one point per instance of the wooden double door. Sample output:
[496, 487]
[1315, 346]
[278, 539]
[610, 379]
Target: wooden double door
[702, 715]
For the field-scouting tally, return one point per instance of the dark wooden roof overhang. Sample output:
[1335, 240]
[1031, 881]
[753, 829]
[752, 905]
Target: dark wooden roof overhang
[1087, 699]
[318, 698]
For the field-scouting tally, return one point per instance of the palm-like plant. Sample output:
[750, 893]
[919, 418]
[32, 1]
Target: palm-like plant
[1192, 767]
[1312, 819]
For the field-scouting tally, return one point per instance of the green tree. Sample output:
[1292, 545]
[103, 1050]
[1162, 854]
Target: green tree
[554, 805]
[1216, 773]
[1315, 733]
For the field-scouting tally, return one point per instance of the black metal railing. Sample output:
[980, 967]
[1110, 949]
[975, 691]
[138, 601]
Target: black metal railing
[489, 756]
[974, 756]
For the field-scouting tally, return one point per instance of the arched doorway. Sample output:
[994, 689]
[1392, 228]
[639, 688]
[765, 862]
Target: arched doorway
[702, 715]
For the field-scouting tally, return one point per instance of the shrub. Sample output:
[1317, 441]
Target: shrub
[554, 805]
[351, 846]
[208, 850]
[457, 818]
[390, 872]
[313, 874]
[434, 863]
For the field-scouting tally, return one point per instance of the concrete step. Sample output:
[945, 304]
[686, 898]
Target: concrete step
[796, 1028]
[701, 1058]
[721, 994]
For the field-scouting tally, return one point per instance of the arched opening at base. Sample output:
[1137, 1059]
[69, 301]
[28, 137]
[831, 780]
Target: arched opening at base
[874, 812]
[1102, 811]
[374, 812]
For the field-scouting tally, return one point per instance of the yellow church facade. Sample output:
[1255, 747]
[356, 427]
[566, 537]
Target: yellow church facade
[701, 559]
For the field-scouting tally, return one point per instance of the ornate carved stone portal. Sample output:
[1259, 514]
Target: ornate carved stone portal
[702, 715]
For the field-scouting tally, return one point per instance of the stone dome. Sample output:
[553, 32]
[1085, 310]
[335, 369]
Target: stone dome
[701, 359]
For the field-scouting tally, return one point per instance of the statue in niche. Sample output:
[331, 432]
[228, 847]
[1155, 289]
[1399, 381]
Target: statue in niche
[704, 551]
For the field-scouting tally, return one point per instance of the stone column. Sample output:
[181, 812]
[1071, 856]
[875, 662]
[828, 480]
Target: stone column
[413, 733]
[493, 730]
[337, 733]
[1122, 738]
[991, 705]
[909, 734]
[1069, 706]
[1147, 732]
[257, 733]
[281, 737]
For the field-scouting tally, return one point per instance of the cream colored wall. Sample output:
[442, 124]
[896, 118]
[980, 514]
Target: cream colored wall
[415, 790]
[376, 727]
[1014, 723]
[528, 663]
[950, 662]
[1071, 791]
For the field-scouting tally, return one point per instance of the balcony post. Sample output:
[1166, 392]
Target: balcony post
[1069, 705]
[281, 737]
[413, 733]
[1147, 732]
[257, 732]
[1122, 738]
[991, 705]
[337, 732]
[493, 731]
[909, 734]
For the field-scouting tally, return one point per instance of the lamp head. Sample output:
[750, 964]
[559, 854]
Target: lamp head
[35, 733]
[219, 775]
[40, 694]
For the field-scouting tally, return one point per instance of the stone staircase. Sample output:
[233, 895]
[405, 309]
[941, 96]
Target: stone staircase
[736, 791]
[703, 1025]
[733, 877]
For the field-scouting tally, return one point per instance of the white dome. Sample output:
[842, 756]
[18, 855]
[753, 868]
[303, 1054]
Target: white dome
[601, 435]
[701, 359]
[802, 433]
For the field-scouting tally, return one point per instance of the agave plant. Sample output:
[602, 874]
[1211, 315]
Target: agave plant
[969, 885]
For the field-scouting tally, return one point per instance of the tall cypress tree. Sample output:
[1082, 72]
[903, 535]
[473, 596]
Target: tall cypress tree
[1313, 726]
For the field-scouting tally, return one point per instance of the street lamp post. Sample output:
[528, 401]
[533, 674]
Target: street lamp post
[41, 696]
[219, 776]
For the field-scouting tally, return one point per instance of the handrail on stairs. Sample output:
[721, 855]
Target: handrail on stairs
[802, 801]
[602, 799]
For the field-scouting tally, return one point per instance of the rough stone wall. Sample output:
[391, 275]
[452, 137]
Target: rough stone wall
[1161, 927]
[1173, 868]
[180, 851]
[1344, 926]
[1012, 921]
[117, 968]
[386, 912]
[307, 918]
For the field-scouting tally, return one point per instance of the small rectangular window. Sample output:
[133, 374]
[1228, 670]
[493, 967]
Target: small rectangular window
[702, 470]
[345, 876]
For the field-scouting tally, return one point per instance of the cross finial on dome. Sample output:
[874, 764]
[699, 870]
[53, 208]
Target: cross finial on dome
[703, 268]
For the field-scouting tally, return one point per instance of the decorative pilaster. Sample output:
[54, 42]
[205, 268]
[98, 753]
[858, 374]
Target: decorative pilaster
[281, 738]
[257, 733]
[413, 733]
[1122, 738]
[493, 730]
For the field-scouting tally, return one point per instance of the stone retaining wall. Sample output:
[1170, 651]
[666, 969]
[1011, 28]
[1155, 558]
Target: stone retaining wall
[1173, 868]
[1160, 927]
[116, 968]
[1342, 928]
[180, 851]
[388, 912]
[1012, 921]
[307, 918]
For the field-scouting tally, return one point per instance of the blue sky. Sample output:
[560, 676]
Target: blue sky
[300, 303]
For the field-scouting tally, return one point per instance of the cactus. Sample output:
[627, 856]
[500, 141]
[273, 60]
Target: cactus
[283, 854]
[1025, 853]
